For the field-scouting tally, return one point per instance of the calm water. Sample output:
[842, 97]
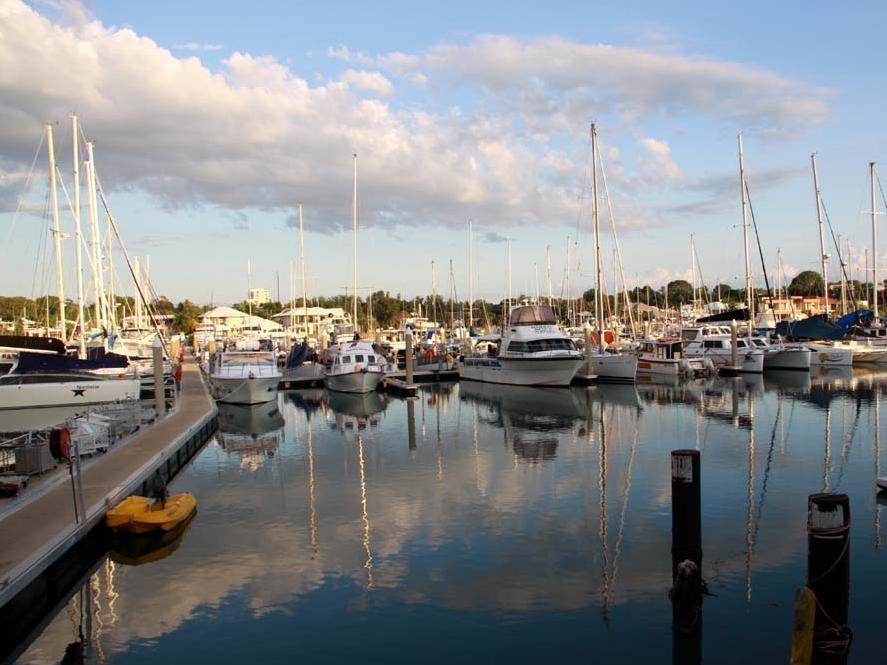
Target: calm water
[485, 522]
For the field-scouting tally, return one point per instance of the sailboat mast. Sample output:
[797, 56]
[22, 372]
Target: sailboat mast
[470, 274]
[138, 294]
[567, 282]
[823, 256]
[77, 235]
[98, 276]
[112, 299]
[354, 242]
[548, 271]
[57, 232]
[249, 288]
[874, 247]
[749, 296]
[508, 307]
[598, 302]
[302, 263]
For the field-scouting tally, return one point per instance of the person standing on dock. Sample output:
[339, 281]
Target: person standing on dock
[177, 375]
[158, 489]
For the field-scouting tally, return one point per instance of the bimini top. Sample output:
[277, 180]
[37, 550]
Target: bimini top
[532, 315]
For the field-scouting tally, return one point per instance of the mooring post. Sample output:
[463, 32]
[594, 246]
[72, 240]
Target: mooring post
[828, 574]
[159, 388]
[686, 554]
[411, 424]
[734, 353]
[588, 366]
[408, 338]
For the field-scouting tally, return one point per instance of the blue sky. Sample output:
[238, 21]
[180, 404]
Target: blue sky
[212, 119]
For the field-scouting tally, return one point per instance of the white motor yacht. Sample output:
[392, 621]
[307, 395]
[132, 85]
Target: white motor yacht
[665, 357]
[532, 352]
[244, 377]
[710, 342]
[352, 367]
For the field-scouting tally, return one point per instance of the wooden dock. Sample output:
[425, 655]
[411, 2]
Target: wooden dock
[399, 387]
[41, 535]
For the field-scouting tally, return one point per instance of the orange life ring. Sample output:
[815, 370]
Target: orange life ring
[60, 443]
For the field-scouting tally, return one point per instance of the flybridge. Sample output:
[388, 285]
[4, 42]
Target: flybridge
[532, 315]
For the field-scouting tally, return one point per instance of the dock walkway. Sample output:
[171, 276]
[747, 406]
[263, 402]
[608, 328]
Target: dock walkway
[41, 531]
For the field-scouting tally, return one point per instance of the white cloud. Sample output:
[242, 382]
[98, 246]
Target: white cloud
[256, 134]
[369, 81]
[658, 164]
[197, 46]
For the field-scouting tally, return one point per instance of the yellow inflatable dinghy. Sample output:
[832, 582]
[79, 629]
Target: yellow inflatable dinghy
[137, 514]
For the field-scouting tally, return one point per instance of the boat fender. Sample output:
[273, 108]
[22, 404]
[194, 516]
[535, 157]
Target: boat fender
[60, 443]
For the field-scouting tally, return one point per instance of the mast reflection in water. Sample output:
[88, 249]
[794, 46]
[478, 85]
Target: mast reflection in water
[494, 522]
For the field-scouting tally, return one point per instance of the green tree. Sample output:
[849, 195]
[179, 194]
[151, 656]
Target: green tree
[679, 291]
[806, 283]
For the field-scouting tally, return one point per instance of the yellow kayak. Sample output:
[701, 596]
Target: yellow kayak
[137, 514]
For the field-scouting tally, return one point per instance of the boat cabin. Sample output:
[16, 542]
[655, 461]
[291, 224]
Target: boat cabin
[671, 349]
[532, 315]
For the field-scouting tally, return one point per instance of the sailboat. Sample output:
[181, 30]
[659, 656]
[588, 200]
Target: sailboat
[606, 365]
[353, 366]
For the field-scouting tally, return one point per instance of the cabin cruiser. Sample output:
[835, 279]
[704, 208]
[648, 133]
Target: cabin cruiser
[532, 352]
[665, 357]
[711, 342]
[244, 377]
[352, 367]
[302, 366]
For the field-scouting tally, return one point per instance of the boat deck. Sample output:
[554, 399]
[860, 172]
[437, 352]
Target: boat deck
[40, 531]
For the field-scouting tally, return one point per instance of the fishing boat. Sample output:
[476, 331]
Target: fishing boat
[137, 514]
[352, 367]
[532, 352]
[244, 377]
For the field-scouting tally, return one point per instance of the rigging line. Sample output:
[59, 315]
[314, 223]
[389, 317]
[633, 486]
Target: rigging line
[581, 197]
[837, 249]
[758, 239]
[25, 188]
[767, 471]
[848, 442]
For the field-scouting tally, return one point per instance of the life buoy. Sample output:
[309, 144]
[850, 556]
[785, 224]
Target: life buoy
[60, 443]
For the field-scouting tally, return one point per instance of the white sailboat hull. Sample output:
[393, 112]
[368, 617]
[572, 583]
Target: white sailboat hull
[353, 382]
[620, 367]
[244, 390]
[68, 393]
[521, 372]
[749, 361]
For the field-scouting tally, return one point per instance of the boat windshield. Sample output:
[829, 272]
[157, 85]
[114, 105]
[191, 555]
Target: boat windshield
[532, 315]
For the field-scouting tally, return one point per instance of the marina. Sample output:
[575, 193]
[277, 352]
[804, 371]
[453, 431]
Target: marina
[421, 333]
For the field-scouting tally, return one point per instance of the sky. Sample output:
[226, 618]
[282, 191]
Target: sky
[212, 120]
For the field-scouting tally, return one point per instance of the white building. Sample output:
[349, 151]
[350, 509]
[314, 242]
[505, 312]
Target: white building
[311, 318]
[259, 296]
[229, 322]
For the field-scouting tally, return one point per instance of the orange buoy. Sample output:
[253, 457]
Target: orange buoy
[60, 443]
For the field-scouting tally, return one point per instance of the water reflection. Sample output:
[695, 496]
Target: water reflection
[253, 432]
[506, 519]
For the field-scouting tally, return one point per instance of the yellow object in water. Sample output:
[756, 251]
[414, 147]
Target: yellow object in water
[137, 514]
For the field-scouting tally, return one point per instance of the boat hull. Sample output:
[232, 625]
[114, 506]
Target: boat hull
[516, 372]
[353, 382]
[749, 361]
[137, 515]
[248, 390]
[621, 367]
[68, 393]
[789, 358]
[826, 355]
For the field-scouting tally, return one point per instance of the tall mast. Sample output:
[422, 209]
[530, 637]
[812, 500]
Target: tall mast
[567, 281]
[470, 274]
[843, 264]
[138, 294]
[749, 296]
[508, 307]
[452, 297]
[354, 243]
[548, 271]
[302, 263]
[598, 302]
[112, 304]
[874, 247]
[536, 273]
[99, 287]
[249, 288]
[693, 270]
[57, 232]
[77, 235]
[823, 256]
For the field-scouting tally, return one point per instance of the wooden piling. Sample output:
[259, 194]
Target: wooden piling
[686, 555]
[159, 388]
[411, 424]
[409, 357]
[828, 574]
